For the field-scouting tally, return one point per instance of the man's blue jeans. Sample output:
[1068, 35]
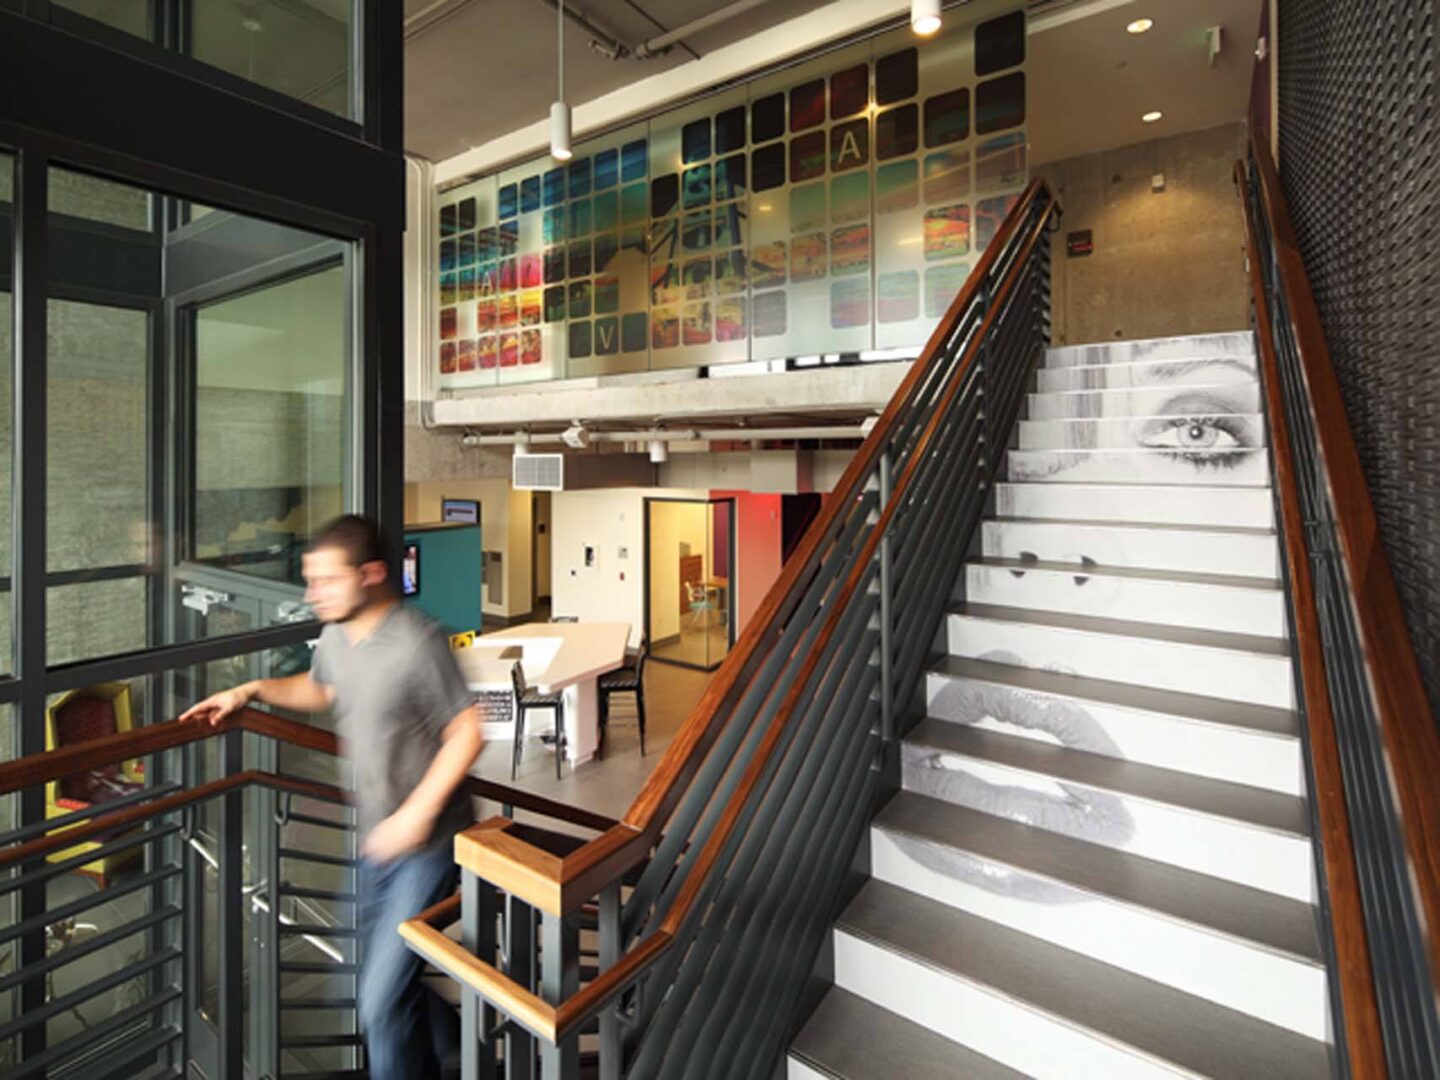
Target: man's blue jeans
[409, 1032]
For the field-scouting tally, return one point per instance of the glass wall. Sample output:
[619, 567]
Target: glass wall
[159, 536]
[302, 50]
[834, 207]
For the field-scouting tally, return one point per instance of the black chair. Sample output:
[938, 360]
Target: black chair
[629, 679]
[527, 698]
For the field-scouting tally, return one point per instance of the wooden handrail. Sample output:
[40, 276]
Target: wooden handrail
[488, 850]
[1407, 727]
[69, 835]
[569, 881]
[1360, 1014]
[125, 745]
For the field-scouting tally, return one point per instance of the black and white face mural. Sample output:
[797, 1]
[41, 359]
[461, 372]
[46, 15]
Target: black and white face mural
[1200, 417]
[1064, 808]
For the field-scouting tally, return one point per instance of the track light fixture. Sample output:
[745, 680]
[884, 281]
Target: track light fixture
[560, 111]
[925, 16]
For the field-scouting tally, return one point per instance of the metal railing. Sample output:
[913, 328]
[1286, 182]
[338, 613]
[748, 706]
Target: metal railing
[712, 899]
[228, 940]
[1373, 746]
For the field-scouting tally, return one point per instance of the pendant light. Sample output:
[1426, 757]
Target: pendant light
[560, 112]
[925, 16]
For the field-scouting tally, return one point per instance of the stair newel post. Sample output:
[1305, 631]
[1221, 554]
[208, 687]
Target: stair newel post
[887, 656]
[559, 979]
[478, 1060]
[520, 956]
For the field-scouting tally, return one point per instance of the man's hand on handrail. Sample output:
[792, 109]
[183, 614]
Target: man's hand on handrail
[299, 693]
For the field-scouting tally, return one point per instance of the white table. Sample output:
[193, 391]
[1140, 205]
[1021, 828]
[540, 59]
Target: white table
[567, 658]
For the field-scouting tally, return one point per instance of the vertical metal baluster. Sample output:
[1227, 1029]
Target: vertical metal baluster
[519, 1043]
[559, 978]
[887, 655]
[610, 1043]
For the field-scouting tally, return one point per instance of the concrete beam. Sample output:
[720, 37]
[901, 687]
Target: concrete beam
[675, 397]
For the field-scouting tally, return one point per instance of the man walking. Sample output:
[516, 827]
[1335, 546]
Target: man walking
[410, 732]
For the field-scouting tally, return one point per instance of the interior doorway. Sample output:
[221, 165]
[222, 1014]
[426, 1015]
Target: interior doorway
[690, 579]
[540, 547]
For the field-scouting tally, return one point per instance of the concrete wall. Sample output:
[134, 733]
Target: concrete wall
[1163, 264]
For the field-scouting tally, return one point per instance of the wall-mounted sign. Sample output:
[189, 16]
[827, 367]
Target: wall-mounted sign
[1079, 243]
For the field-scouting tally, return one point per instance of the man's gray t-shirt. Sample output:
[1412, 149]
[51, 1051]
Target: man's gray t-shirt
[395, 691]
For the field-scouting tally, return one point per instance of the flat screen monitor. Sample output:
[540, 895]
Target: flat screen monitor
[410, 570]
[466, 510]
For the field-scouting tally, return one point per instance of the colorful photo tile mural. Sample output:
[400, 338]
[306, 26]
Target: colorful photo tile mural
[836, 207]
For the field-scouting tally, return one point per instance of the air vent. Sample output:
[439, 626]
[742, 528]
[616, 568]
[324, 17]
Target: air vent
[538, 472]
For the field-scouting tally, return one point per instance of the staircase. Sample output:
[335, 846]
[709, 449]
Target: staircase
[1099, 864]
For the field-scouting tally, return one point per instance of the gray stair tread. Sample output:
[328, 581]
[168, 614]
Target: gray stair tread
[1150, 1017]
[1252, 915]
[852, 1039]
[1235, 802]
[1115, 485]
[1239, 714]
[1196, 531]
[1231, 581]
[1176, 635]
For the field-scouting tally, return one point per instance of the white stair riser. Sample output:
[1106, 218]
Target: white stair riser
[1238, 344]
[1175, 603]
[1239, 975]
[1223, 468]
[795, 1069]
[1261, 858]
[1119, 433]
[1233, 754]
[987, 1022]
[1162, 373]
[1208, 400]
[1167, 505]
[1259, 678]
[1256, 556]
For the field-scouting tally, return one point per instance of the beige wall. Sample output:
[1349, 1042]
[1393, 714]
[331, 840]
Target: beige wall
[504, 527]
[611, 520]
[1164, 263]
[673, 524]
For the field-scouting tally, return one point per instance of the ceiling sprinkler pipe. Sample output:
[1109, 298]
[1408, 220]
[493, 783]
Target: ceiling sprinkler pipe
[645, 438]
[657, 45]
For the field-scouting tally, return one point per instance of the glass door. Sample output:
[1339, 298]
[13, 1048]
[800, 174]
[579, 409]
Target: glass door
[690, 580]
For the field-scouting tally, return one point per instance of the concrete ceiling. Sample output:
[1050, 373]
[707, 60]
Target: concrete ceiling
[489, 67]
[1089, 80]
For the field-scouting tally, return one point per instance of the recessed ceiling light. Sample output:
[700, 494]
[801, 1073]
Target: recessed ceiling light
[1151, 117]
[1139, 26]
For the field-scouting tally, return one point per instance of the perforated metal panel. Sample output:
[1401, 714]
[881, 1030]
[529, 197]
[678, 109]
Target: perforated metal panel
[1359, 139]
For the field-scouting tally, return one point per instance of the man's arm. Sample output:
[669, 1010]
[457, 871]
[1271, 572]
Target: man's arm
[409, 827]
[299, 693]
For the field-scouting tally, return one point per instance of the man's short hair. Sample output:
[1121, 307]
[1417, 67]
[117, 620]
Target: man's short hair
[358, 537]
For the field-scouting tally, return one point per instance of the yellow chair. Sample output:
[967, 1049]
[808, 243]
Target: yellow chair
[67, 730]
